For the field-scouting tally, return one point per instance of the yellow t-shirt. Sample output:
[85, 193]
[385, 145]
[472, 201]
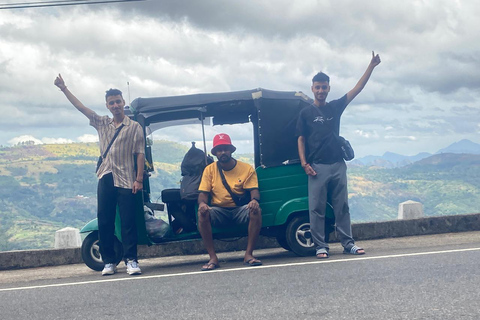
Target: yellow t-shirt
[242, 177]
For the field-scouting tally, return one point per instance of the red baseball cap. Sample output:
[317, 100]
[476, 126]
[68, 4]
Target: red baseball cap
[222, 139]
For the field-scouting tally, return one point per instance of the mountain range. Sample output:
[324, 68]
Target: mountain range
[395, 160]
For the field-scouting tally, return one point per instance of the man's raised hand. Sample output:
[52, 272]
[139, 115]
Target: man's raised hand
[59, 82]
[375, 59]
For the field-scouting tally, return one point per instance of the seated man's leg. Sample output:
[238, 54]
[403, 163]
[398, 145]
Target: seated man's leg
[205, 228]
[254, 218]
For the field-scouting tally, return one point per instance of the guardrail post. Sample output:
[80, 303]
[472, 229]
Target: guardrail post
[410, 210]
[68, 238]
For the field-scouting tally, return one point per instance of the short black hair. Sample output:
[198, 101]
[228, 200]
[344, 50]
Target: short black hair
[112, 92]
[321, 77]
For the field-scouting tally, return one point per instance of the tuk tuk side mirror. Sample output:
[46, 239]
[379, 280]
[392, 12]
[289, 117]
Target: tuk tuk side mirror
[149, 142]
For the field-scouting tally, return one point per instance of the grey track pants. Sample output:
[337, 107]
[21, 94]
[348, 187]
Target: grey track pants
[329, 183]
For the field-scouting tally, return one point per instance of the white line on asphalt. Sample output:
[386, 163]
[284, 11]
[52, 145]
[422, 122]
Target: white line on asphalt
[239, 269]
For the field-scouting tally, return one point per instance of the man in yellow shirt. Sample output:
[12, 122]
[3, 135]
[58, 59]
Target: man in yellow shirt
[228, 207]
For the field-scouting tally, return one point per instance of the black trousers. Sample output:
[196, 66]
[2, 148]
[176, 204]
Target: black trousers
[108, 197]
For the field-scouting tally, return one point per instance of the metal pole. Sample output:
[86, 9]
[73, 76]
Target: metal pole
[203, 136]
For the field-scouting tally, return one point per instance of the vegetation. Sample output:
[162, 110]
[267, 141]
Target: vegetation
[44, 188]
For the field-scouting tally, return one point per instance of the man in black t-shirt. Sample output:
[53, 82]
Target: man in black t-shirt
[318, 127]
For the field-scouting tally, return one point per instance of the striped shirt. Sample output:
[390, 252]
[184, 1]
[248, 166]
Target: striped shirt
[119, 160]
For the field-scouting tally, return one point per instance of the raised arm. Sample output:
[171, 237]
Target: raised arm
[76, 103]
[364, 79]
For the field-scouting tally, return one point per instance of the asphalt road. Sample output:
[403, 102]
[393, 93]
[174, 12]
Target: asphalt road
[429, 277]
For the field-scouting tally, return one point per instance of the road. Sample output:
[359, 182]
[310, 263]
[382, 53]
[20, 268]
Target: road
[427, 277]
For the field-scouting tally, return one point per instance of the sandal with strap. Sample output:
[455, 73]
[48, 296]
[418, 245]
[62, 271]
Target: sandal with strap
[353, 250]
[209, 266]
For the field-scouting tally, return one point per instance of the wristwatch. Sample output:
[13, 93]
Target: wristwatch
[258, 200]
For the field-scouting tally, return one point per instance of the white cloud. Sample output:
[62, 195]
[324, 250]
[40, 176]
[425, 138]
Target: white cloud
[44, 140]
[24, 138]
[56, 140]
[88, 138]
[367, 134]
[425, 91]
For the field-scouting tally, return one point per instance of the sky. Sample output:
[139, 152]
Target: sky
[424, 95]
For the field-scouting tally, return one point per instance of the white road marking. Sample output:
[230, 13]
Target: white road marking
[353, 259]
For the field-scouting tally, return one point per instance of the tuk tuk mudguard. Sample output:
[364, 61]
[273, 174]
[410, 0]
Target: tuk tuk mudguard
[291, 208]
[140, 220]
[92, 225]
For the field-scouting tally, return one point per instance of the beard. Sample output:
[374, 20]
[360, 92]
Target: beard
[224, 158]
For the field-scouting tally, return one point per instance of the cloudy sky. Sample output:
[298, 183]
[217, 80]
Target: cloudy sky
[424, 95]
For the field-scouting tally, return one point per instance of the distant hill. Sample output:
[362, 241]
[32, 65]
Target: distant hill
[447, 161]
[462, 146]
[394, 160]
[390, 160]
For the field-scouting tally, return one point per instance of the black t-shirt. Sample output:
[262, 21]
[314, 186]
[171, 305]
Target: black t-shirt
[320, 126]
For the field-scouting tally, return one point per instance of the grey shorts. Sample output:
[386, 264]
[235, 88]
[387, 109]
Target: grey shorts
[221, 217]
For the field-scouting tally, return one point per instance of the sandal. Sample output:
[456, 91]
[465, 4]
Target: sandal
[354, 250]
[252, 262]
[209, 266]
[322, 253]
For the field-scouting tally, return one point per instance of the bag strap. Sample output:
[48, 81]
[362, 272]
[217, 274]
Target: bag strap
[225, 184]
[113, 139]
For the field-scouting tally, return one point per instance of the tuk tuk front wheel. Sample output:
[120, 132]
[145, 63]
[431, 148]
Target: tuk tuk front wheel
[91, 252]
[298, 236]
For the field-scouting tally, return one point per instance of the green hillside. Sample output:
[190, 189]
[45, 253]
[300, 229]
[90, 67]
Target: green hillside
[44, 188]
[445, 184]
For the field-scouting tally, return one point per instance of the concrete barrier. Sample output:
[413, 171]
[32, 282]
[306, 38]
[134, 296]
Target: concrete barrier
[361, 231]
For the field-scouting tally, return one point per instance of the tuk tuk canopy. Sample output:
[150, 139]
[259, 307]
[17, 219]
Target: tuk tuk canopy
[273, 114]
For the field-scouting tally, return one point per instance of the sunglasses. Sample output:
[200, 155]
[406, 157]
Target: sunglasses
[112, 102]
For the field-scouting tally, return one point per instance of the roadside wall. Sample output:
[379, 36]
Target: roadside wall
[361, 231]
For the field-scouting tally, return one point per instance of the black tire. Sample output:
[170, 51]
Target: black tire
[91, 253]
[299, 237]
[282, 240]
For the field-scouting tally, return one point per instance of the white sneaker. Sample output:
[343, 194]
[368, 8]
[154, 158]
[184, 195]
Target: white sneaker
[109, 268]
[133, 268]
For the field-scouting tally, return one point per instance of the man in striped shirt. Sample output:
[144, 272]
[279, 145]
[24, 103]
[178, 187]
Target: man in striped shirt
[118, 182]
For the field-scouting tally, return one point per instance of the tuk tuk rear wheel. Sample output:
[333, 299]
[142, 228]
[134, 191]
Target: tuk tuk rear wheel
[299, 237]
[91, 252]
